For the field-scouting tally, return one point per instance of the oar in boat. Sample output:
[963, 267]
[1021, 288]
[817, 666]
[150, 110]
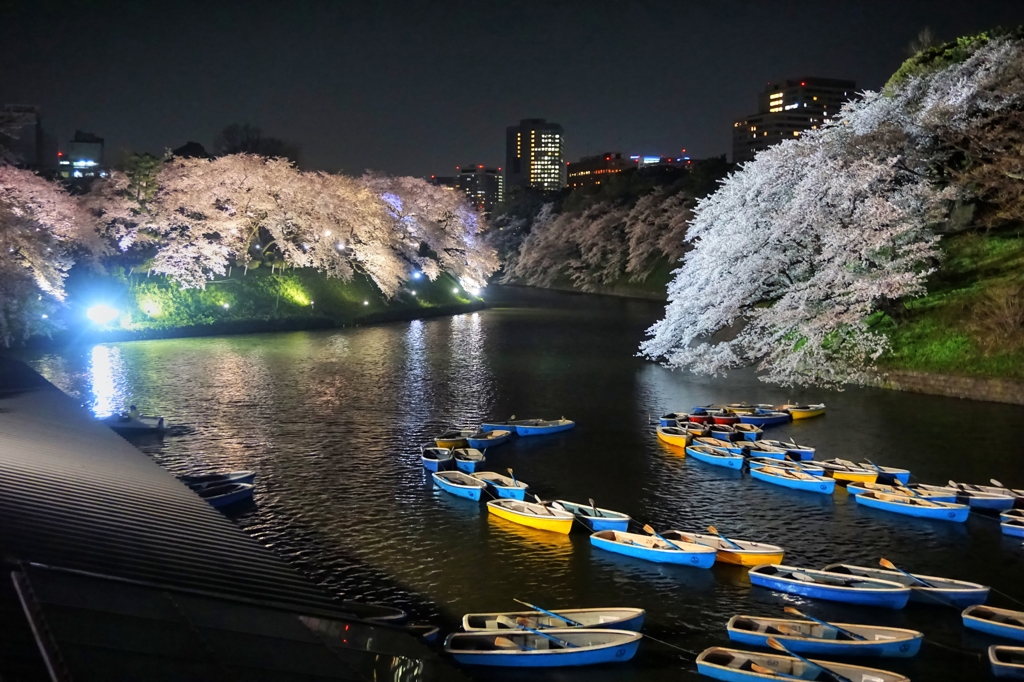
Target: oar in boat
[840, 582]
[506, 643]
[778, 646]
[513, 477]
[712, 529]
[593, 507]
[852, 635]
[899, 486]
[543, 506]
[568, 621]
[519, 625]
[959, 486]
[648, 529]
[996, 483]
[768, 671]
[885, 563]
[877, 468]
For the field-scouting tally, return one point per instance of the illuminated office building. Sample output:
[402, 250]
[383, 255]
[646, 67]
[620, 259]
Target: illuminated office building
[484, 187]
[84, 157]
[787, 109]
[592, 170]
[534, 152]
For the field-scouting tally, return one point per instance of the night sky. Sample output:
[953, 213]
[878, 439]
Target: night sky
[418, 87]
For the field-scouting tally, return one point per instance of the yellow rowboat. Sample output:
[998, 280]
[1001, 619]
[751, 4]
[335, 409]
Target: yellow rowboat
[453, 439]
[532, 515]
[674, 435]
[748, 553]
[847, 472]
[805, 411]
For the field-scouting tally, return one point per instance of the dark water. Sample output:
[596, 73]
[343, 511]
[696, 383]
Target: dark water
[331, 421]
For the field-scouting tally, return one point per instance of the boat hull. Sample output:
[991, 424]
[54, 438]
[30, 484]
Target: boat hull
[943, 591]
[896, 642]
[508, 492]
[715, 663]
[730, 462]
[806, 414]
[680, 557]
[764, 420]
[678, 440]
[233, 494]
[468, 492]
[1012, 527]
[435, 464]
[1007, 661]
[958, 514]
[605, 619]
[481, 443]
[544, 430]
[811, 469]
[972, 621]
[749, 554]
[468, 465]
[554, 524]
[614, 652]
[894, 597]
[818, 485]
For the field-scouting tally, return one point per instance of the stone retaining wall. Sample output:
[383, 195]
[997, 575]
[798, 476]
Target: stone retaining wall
[971, 388]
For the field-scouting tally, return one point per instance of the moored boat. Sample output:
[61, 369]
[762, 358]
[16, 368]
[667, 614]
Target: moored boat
[520, 649]
[812, 638]
[467, 459]
[1018, 495]
[1012, 522]
[542, 427]
[1007, 661]
[226, 494]
[695, 429]
[993, 621]
[533, 515]
[609, 619]
[976, 500]
[673, 418]
[507, 425]
[456, 438]
[716, 456]
[761, 448]
[673, 435]
[946, 591]
[915, 506]
[748, 431]
[741, 408]
[831, 586]
[794, 479]
[196, 481]
[434, 458]
[724, 432]
[888, 475]
[459, 484]
[739, 552]
[804, 411]
[698, 416]
[989, 497]
[125, 424]
[844, 472]
[733, 665]
[488, 439]
[504, 486]
[760, 462]
[804, 452]
[652, 549]
[594, 518]
[728, 446]
[723, 417]
[765, 418]
[859, 488]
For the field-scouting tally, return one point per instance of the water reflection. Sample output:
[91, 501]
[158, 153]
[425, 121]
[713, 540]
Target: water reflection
[471, 384]
[107, 381]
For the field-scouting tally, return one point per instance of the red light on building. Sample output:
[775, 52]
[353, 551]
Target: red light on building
[802, 83]
[479, 166]
[431, 176]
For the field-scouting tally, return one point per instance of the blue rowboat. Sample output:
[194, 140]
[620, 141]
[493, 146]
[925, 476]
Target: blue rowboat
[763, 449]
[1012, 522]
[605, 619]
[915, 506]
[434, 458]
[761, 462]
[861, 488]
[673, 418]
[467, 459]
[458, 483]
[1007, 661]
[976, 500]
[488, 439]
[728, 446]
[716, 456]
[887, 475]
[542, 427]
[748, 432]
[652, 549]
[507, 425]
[765, 418]
[227, 494]
[724, 432]
[595, 518]
[959, 593]
[801, 452]
[198, 481]
[1018, 495]
[993, 621]
[811, 638]
[831, 586]
[502, 485]
[797, 480]
[733, 665]
[519, 649]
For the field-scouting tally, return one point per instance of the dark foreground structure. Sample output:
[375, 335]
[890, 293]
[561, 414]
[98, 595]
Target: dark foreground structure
[111, 569]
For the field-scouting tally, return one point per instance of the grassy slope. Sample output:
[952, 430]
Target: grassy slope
[945, 331]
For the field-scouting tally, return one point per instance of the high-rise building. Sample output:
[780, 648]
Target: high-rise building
[534, 150]
[787, 109]
[84, 157]
[592, 170]
[484, 187]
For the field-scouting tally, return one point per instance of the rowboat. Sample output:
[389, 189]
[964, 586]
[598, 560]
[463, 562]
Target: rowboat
[673, 435]
[801, 451]
[453, 439]
[1018, 495]
[748, 431]
[694, 429]
[761, 462]
[1007, 661]
[227, 494]
[915, 506]
[795, 479]
[488, 439]
[532, 515]
[503, 486]
[942, 591]
[993, 621]
[747, 553]
[652, 549]
[765, 418]
[728, 446]
[887, 475]
[860, 488]
[844, 472]
[809, 637]
[733, 665]
[459, 484]
[831, 586]
[804, 411]
[1012, 522]
[209, 480]
[519, 649]
[507, 425]
[761, 448]
[724, 432]
[542, 427]
[976, 500]
[467, 459]
[716, 456]
[607, 619]
[723, 417]
[741, 408]
[434, 458]
[673, 418]
[594, 518]
[698, 416]
[122, 423]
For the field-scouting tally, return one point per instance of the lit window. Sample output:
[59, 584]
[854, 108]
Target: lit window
[796, 133]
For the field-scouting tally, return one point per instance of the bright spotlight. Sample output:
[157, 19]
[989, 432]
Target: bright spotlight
[366, 303]
[417, 275]
[102, 314]
[226, 305]
[45, 316]
[413, 293]
[455, 290]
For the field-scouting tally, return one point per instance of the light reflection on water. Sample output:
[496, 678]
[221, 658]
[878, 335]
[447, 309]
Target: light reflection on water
[332, 422]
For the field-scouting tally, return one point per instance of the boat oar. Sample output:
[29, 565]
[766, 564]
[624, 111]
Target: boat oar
[506, 643]
[712, 529]
[593, 507]
[885, 563]
[519, 625]
[543, 506]
[852, 635]
[568, 621]
[768, 671]
[513, 477]
[648, 529]
[996, 483]
[778, 646]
